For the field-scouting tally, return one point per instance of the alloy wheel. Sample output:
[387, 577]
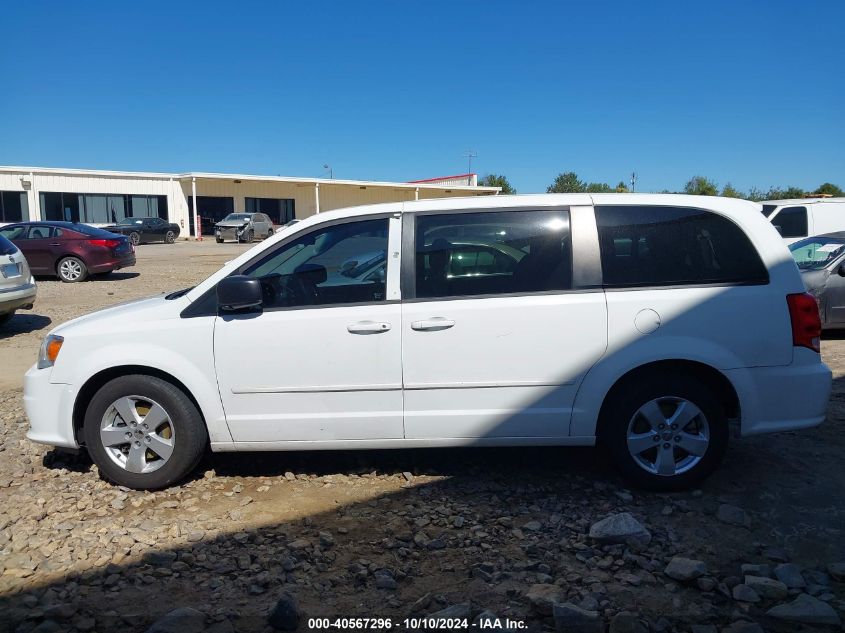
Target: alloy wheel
[668, 436]
[137, 434]
[70, 269]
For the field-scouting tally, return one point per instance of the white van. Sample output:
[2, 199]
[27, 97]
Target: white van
[803, 217]
[646, 323]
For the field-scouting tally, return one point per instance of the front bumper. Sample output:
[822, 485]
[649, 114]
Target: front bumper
[49, 408]
[228, 232]
[17, 297]
[783, 398]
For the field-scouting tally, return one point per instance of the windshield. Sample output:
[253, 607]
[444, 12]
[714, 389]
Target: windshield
[236, 216]
[815, 253]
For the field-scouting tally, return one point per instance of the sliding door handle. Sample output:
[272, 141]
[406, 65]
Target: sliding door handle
[432, 325]
[368, 327]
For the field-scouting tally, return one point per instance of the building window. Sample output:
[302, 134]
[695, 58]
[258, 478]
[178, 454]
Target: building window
[14, 206]
[280, 210]
[211, 210]
[99, 208]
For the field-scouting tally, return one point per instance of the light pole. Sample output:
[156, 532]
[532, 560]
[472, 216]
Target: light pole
[329, 167]
[469, 156]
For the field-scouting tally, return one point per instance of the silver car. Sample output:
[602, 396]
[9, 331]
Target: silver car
[243, 227]
[17, 285]
[821, 260]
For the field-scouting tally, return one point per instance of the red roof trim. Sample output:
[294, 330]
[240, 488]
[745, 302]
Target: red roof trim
[441, 178]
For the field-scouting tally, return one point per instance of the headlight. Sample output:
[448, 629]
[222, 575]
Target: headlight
[50, 348]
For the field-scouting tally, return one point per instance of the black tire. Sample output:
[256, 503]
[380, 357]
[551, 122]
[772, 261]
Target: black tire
[218, 240]
[135, 238]
[249, 237]
[169, 237]
[71, 270]
[270, 231]
[190, 436]
[625, 402]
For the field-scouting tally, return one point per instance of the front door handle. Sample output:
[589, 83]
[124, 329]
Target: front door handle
[368, 327]
[432, 325]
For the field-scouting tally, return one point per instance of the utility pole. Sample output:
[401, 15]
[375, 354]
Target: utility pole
[633, 181]
[469, 156]
[331, 171]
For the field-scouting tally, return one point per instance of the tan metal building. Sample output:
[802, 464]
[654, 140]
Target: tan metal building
[103, 197]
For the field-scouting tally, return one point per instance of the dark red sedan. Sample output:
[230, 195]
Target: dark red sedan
[68, 250]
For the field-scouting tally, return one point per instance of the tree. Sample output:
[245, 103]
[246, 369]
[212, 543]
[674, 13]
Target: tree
[598, 187]
[621, 187]
[700, 186]
[729, 191]
[830, 189]
[755, 194]
[567, 183]
[497, 180]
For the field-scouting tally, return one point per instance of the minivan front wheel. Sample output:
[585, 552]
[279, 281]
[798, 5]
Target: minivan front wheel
[143, 432]
[665, 432]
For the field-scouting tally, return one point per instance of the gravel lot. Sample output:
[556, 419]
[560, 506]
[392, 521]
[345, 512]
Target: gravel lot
[401, 533]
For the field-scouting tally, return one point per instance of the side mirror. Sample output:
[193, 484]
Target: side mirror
[840, 270]
[238, 293]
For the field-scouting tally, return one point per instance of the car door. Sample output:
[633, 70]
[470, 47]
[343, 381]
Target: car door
[497, 353]
[322, 360]
[833, 299]
[38, 250]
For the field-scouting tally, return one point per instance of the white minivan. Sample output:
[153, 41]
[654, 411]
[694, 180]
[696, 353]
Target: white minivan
[804, 217]
[649, 324]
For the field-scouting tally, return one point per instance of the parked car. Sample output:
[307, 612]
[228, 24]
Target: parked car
[243, 227]
[647, 324]
[146, 230]
[821, 260]
[68, 250]
[17, 285]
[802, 217]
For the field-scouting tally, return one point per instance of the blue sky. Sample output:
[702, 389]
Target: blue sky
[747, 92]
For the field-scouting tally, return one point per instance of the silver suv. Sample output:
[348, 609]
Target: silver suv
[243, 227]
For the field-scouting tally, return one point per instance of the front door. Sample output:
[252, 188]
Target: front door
[322, 360]
[496, 340]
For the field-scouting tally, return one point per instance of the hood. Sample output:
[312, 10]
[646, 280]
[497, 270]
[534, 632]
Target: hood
[230, 224]
[124, 315]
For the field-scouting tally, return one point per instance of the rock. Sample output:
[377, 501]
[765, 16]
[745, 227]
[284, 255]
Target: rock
[60, 611]
[743, 626]
[703, 628]
[182, 620]
[776, 554]
[620, 528]
[623, 496]
[627, 623]
[285, 615]
[571, 619]
[767, 588]
[837, 571]
[733, 516]
[756, 570]
[685, 569]
[706, 583]
[543, 596]
[805, 610]
[533, 526]
[195, 535]
[790, 575]
[455, 612]
[744, 593]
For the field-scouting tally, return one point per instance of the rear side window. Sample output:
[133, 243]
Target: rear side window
[664, 246]
[6, 247]
[90, 231]
[492, 253]
[791, 222]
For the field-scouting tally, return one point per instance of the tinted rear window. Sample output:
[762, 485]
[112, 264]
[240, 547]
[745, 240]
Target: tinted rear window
[90, 231]
[6, 247]
[791, 222]
[660, 246]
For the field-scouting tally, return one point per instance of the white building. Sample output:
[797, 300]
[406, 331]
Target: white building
[104, 197]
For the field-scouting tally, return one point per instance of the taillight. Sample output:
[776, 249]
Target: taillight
[806, 323]
[106, 243]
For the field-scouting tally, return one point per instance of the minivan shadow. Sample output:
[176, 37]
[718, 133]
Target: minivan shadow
[24, 323]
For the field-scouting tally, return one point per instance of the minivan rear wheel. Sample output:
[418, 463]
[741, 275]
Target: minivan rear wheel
[143, 432]
[665, 432]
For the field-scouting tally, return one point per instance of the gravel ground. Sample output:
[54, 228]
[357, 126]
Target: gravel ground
[517, 532]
